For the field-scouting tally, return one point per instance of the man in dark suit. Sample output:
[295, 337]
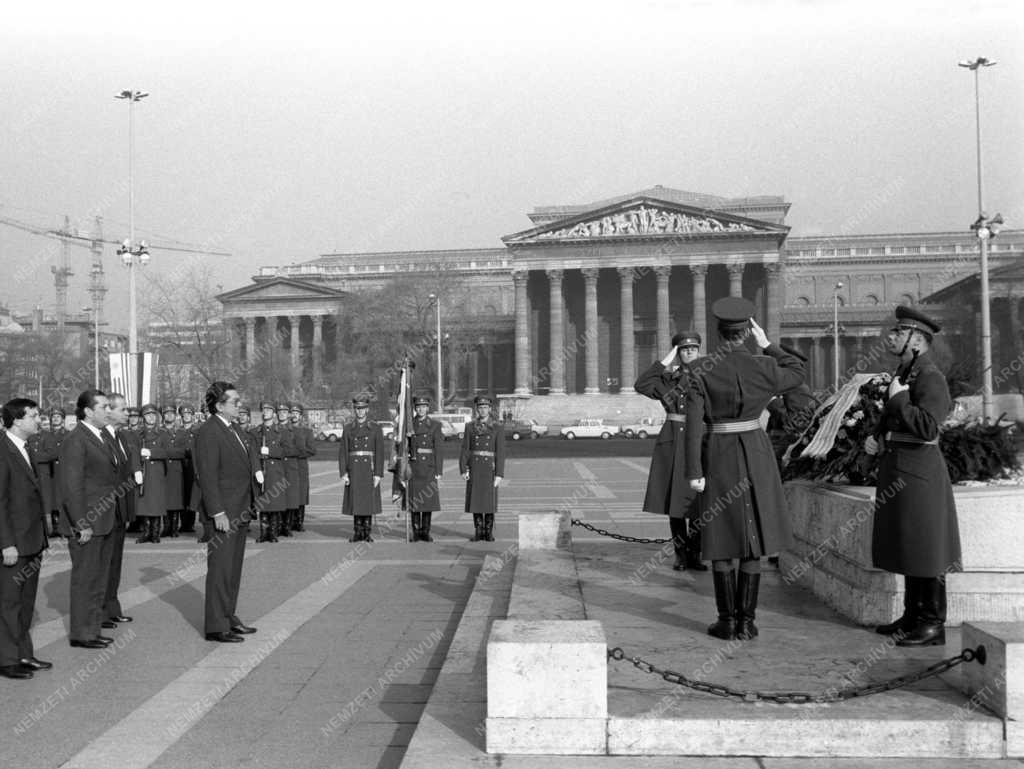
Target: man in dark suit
[228, 476]
[22, 540]
[89, 478]
[129, 472]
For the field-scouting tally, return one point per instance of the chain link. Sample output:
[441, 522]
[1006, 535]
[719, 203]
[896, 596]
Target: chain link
[831, 695]
[623, 537]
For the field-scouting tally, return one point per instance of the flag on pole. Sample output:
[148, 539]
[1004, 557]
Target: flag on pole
[134, 376]
[403, 426]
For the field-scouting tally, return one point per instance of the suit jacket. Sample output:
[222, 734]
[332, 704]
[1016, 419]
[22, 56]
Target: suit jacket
[225, 466]
[21, 503]
[88, 478]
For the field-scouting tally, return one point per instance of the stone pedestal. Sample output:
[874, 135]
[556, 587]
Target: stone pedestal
[547, 688]
[998, 685]
[545, 531]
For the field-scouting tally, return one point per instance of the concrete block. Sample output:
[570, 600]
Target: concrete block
[546, 586]
[990, 519]
[545, 531]
[1015, 739]
[547, 736]
[998, 684]
[547, 670]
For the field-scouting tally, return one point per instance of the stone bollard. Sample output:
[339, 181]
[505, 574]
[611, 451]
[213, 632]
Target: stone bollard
[545, 531]
[547, 687]
[998, 684]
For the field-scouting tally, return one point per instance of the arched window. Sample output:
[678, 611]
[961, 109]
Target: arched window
[802, 301]
[906, 299]
[870, 299]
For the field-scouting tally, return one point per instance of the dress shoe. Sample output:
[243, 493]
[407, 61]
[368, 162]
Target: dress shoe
[107, 640]
[241, 629]
[35, 664]
[224, 638]
[120, 618]
[15, 671]
[89, 644]
[108, 624]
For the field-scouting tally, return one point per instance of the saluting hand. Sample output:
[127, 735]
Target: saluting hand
[760, 337]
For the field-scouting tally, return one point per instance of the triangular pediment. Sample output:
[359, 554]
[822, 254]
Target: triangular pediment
[281, 288]
[643, 218]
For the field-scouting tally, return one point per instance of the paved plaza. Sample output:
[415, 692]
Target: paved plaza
[352, 639]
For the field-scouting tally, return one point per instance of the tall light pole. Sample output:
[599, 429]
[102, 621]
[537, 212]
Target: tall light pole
[440, 391]
[835, 333]
[984, 232]
[129, 249]
[96, 343]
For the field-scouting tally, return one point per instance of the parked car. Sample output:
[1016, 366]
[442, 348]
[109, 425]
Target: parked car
[589, 428]
[330, 433]
[528, 429]
[645, 428]
[448, 430]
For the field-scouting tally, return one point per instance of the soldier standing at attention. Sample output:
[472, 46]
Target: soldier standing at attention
[155, 446]
[177, 451]
[915, 533]
[426, 456]
[306, 448]
[291, 469]
[362, 455]
[668, 490]
[742, 504]
[133, 440]
[189, 428]
[45, 450]
[271, 501]
[482, 465]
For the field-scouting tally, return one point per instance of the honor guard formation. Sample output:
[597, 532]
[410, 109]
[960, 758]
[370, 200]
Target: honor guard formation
[165, 471]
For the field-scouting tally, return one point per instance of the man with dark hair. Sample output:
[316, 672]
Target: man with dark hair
[88, 474]
[129, 471]
[22, 540]
[228, 476]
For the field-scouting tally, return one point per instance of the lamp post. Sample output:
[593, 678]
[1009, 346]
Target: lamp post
[95, 344]
[835, 333]
[984, 232]
[440, 392]
[129, 250]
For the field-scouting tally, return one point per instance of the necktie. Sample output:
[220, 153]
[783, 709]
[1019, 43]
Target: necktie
[111, 446]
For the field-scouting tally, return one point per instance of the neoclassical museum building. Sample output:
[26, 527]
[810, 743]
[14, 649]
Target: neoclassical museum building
[589, 295]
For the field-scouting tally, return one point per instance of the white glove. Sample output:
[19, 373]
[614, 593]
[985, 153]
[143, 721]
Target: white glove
[376, 481]
[465, 476]
[871, 446]
[264, 451]
[259, 477]
[697, 484]
[146, 453]
[759, 336]
[10, 555]
[896, 387]
[138, 477]
[344, 479]
[497, 481]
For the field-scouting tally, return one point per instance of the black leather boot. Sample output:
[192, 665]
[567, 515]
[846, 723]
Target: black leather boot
[188, 522]
[367, 526]
[173, 524]
[930, 627]
[746, 605]
[911, 607]
[145, 533]
[725, 601]
[357, 529]
[286, 523]
[155, 527]
[478, 526]
[425, 528]
[677, 527]
[416, 524]
[273, 523]
[300, 522]
[489, 527]
[691, 547]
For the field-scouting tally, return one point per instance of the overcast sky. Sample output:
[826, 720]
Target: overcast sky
[399, 126]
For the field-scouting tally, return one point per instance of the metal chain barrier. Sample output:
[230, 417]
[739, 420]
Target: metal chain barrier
[719, 690]
[623, 537]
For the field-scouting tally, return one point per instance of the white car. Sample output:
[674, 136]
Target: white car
[589, 428]
[331, 433]
[645, 428]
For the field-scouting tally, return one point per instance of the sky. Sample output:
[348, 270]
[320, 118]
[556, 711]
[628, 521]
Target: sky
[281, 135]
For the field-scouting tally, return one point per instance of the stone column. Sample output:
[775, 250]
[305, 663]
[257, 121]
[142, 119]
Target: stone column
[453, 369]
[662, 308]
[318, 341]
[557, 362]
[592, 333]
[474, 369]
[700, 310]
[736, 279]
[250, 341]
[817, 376]
[293, 321]
[772, 301]
[627, 336]
[489, 351]
[522, 348]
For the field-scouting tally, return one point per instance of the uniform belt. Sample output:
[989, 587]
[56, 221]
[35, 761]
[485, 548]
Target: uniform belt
[741, 426]
[360, 454]
[898, 437]
[424, 451]
[483, 453]
[676, 417]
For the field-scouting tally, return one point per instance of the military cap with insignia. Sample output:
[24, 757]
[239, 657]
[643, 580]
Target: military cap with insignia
[361, 401]
[149, 408]
[244, 410]
[133, 411]
[483, 400]
[168, 410]
[733, 312]
[283, 407]
[297, 407]
[908, 317]
[186, 409]
[264, 405]
[421, 400]
[57, 412]
[686, 339]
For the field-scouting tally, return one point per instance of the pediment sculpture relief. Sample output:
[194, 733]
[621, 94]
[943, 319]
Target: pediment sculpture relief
[646, 221]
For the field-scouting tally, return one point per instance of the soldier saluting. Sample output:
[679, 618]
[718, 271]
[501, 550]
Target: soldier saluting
[362, 455]
[482, 465]
[915, 531]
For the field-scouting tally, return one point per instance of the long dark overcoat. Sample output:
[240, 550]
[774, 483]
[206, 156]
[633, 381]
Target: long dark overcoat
[426, 458]
[668, 489]
[366, 438]
[483, 455]
[743, 510]
[177, 455]
[152, 502]
[915, 530]
[304, 443]
[292, 452]
[274, 496]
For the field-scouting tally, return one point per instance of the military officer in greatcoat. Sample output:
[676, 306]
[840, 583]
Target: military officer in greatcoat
[189, 429]
[730, 460]
[304, 444]
[915, 531]
[292, 452]
[46, 451]
[155, 445]
[482, 465]
[132, 435]
[362, 455]
[174, 485]
[273, 497]
[668, 489]
[426, 459]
